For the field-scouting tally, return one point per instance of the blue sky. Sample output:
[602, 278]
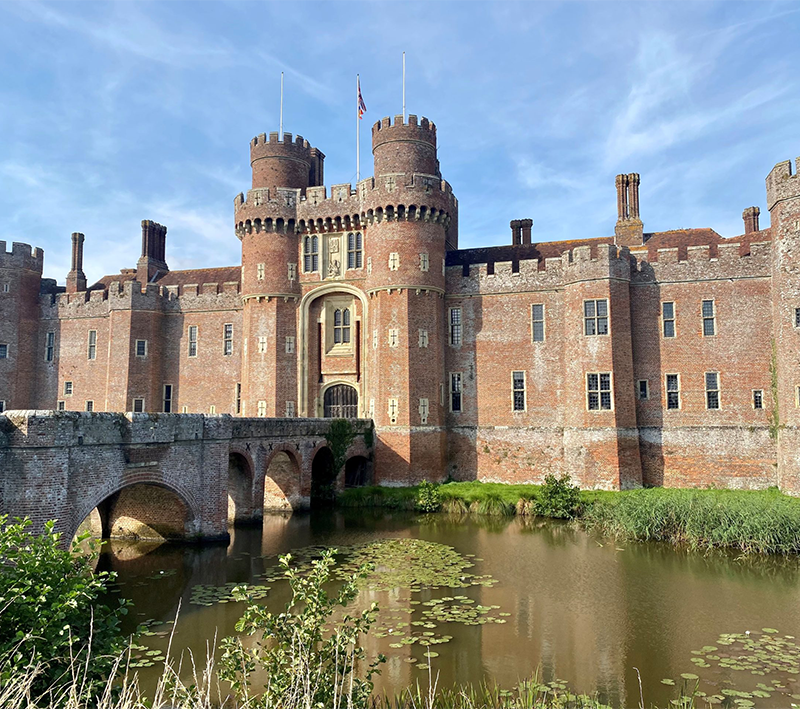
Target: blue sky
[111, 113]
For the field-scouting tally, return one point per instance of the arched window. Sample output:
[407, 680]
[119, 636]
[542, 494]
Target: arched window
[311, 254]
[341, 326]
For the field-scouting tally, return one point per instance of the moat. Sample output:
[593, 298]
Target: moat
[495, 599]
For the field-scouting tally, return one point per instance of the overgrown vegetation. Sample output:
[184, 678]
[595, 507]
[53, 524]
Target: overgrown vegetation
[52, 617]
[558, 498]
[428, 499]
[339, 437]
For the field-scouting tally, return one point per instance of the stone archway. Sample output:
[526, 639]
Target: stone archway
[340, 401]
[323, 478]
[240, 489]
[357, 472]
[282, 489]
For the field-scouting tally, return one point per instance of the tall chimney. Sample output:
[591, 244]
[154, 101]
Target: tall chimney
[525, 225]
[153, 258]
[750, 216]
[76, 279]
[516, 235]
[629, 230]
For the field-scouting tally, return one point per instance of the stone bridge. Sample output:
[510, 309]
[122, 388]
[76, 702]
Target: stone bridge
[167, 476]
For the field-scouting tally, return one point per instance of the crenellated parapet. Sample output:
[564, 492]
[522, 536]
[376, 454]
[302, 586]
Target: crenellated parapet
[278, 161]
[22, 257]
[782, 184]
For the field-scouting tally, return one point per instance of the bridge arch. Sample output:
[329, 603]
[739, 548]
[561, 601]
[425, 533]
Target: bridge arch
[280, 487]
[241, 505]
[357, 471]
[147, 507]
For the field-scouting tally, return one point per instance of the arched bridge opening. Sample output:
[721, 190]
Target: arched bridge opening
[357, 472]
[240, 489]
[282, 489]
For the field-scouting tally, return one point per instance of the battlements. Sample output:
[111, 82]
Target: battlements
[21, 256]
[399, 123]
[782, 184]
[404, 147]
[261, 138]
[285, 162]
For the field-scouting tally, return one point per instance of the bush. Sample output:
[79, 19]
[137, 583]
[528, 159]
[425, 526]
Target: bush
[51, 615]
[306, 664]
[428, 498]
[557, 498]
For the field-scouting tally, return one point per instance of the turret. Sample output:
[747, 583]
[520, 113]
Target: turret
[76, 278]
[405, 147]
[282, 162]
[153, 258]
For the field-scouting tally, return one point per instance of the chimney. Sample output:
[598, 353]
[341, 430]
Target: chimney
[76, 279]
[525, 225]
[750, 216]
[629, 230]
[516, 234]
[153, 258]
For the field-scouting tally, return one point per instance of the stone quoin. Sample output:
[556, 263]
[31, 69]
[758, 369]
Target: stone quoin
[667, 358]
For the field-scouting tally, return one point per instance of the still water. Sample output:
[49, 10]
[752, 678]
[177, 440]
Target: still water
[545, 595]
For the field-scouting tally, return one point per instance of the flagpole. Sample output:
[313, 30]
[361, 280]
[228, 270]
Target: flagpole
[404, 87]
[281, 126]
[358, 132]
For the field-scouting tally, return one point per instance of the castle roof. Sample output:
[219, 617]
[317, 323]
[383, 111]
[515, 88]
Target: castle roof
[199, 276]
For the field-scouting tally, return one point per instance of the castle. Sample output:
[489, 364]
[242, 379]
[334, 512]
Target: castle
[666, 358]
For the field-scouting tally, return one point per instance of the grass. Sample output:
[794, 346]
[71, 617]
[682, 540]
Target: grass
[757, 521]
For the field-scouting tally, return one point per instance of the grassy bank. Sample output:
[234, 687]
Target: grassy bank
[763, 521]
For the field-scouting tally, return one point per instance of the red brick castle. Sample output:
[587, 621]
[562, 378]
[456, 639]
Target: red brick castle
[668, 358]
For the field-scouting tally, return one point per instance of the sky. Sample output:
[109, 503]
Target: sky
[111, 113]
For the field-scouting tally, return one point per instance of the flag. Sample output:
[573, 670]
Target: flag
[362, 107]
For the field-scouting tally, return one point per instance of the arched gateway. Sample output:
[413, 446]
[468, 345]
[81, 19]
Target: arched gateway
[340, 402]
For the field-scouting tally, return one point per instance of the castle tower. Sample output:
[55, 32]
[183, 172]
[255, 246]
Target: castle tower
[407, 212]
[20, 280]
[783, 202]
[266, 224]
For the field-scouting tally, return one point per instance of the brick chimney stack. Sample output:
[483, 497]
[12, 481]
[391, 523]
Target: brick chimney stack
[750, 216]
[76, 279]
[516, 232]
[154, 246]
[629, 230]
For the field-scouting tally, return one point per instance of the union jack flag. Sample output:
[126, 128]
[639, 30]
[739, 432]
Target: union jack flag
[362, 107]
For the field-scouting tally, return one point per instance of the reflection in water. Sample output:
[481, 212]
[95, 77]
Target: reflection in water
[583, 608]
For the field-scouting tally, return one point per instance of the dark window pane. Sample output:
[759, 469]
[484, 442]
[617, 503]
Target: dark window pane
[668, 310]
[669, 328]
[588, 308]
[602, 307]
[602, 326]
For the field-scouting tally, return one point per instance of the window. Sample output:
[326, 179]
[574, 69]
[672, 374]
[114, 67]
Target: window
[67, 388]
[668, 319]
[5, 288]
[138, 406]
[709, 327]
[166, 402]
[537, 322]
[758, 399]
[598, 391]
[423, 338]
[341, 326]
[595, 317]
[262, 344]
[643, 389]
[394, 261]
[355, 254]
[193, 340]
[311, 254]
[3, 351]
[455, 392]
[237, 398]
[290, 407]
[260, 271]
[90, 406]
[797, 317]
[227, 339]
[455, 327]
[141, 348]
[518, 390]
[62, 405]
[424, 410]
[2, 406]
[393, 337]
[290, 344]
[393, 410]
[262, 408]
[292, 272]
[712, 390]
[424, 262]
[49, 347]
[673, 391]
[92, 344]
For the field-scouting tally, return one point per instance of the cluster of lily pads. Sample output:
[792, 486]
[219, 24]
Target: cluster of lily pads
[142, 655]
[758, 654]
[208, 595]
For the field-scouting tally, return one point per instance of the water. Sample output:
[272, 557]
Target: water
[581, 608]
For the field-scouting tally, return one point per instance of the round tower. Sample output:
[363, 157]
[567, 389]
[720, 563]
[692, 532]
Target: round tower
[407, 210]
[266, 225]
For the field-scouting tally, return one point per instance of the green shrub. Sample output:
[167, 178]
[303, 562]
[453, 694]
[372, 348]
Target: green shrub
[558, 498]
[306, 664]
[51, 614]
[493, 504]
[428, 498]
